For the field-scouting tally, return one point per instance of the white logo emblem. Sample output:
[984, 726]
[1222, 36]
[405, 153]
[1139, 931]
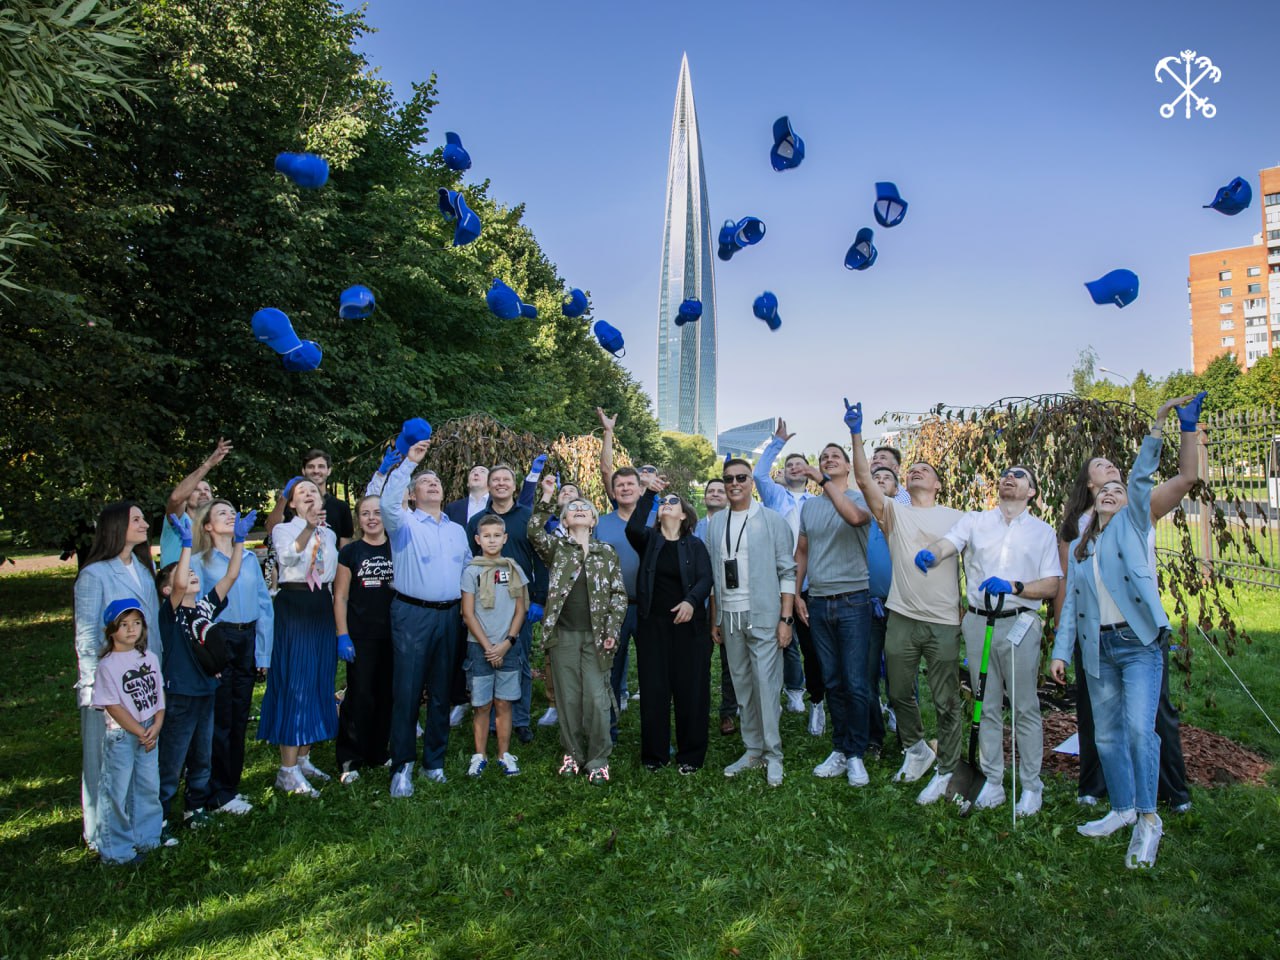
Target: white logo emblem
[1187, 58]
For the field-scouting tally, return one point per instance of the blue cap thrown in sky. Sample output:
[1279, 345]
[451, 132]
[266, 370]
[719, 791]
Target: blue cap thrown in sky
[116, 607]
[610, 338]
[690, 310]
[1232, 198]
[863, 252]
[1119, 287]
[766, 308]
[306, 356]
[734, 236]
[288, 487]
[455, 155]
[577, 304]
[355, 303]
[272, 327]
[890, 208]
[788, 148]
[454, 207]
[414, 430]
[502, 300]
[307, 170]
[528, 311]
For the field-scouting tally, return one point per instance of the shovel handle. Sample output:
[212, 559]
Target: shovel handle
[986, 603]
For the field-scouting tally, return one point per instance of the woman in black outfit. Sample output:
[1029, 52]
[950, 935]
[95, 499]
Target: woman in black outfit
[673, 641]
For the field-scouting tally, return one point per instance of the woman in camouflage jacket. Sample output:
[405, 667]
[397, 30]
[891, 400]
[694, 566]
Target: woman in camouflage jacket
[586, 601]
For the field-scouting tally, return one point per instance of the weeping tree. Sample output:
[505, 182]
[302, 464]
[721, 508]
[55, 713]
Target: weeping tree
[1055, 435]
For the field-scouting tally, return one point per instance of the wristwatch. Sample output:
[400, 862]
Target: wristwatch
[789, 621]
[1018, 587]
[511, 639]
[824, 481]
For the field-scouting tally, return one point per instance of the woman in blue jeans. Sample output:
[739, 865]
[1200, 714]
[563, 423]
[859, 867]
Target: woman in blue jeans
[1112, 610]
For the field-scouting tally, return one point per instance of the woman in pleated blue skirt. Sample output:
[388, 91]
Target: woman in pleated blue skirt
[298, 708]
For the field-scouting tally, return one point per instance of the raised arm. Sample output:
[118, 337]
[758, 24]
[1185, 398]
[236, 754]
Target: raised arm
[240, 533]
[177, 501]
[180, 523]
[607, 423]
[392, 498]
[1142, 475]
[544, 544]
[638, 530]
[871, 492]
[1166, 496]
[772, 494]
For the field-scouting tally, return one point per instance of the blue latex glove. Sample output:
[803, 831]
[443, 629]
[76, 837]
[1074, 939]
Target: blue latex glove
[243, 526]
[346, 649]
[390, 460]
[1189, 416]
[536, 612]
[727, 458]
[994, 585]
[181, 525]
[853, 416]
[925, 559]
[877, 608]
[539, 462]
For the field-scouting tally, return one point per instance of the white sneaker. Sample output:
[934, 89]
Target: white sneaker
[477, 765]
[935, 790]
[835, 764]
[507, 763]
[795, 701]
[309, 769]
[989, 797]
[916, 763]
[744, 762]
[435, 775]
[349, 777]
[773, 773]
[857, 772]
[1087, 801]
[1029, 803]
[1144, 843]
[402, 781]
[550, 718]
[291, 780]
[455, 715]
[237, 805]
[890, 720]
[1106, 826]
[817, 719]
[622, 704]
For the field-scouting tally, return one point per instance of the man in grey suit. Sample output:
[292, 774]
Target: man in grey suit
[754, 569]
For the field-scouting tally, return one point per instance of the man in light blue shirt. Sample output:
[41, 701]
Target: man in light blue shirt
[428, 552]
[188, 497]
[786, 498]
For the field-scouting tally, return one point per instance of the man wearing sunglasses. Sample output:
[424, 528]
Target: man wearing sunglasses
[798, 673]
[754, 571]
[1006, 551]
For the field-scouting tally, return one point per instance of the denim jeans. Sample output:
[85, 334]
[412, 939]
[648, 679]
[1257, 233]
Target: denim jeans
[186, 739]
[129, 797]
[423, 641]
[1125, 695]
[93, 728]
[841, 630]
[875, 652]
[522, 708]
[618, 673]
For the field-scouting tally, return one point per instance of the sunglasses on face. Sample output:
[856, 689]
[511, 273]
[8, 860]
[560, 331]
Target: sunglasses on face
[1017, 473]
[736, 477]
[648, 469]
[671, 501]
[578, 505]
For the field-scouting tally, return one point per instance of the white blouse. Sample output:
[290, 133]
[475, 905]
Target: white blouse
[320, 553]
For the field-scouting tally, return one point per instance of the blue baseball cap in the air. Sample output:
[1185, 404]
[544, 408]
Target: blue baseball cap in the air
[355, 303]
[454, 207]
[307, 170]
[273, 327]
[788, 148]
[889, 208]
[577, 304]
[1119, 287]
[502, 300]
[455, 155]
[690, 311]
[306, 356]
[766, 308]
[863, 253]
[744, 233]
[610, 338]
[414, 430]
[1234, 197]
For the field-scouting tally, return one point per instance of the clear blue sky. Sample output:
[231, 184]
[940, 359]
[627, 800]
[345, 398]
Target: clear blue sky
[1025, 137]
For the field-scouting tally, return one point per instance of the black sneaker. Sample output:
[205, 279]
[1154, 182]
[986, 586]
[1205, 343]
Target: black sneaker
[688, 768]
[524, 734]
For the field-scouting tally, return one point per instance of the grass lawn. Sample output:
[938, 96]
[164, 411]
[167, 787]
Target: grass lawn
[650, 866]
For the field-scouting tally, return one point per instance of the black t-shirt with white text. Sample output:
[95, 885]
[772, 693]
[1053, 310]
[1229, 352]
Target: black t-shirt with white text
[369, 600]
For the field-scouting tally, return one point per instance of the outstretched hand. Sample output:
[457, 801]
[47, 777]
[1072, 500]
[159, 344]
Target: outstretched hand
[181, 525]
[243, 525]
[219, 452]
[390, 460]
[924, 560]
[1189, 411]
[548, 485]
[853, 416]
[781, 432]
[606, 421]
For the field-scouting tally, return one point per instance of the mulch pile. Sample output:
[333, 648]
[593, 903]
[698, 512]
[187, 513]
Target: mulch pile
[1211, 759]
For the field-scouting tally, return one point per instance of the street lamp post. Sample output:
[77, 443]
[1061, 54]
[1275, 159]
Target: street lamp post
[1133, 396]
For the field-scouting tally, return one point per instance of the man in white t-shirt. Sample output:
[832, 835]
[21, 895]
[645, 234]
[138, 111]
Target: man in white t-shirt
[924, 615]
[1006, 551]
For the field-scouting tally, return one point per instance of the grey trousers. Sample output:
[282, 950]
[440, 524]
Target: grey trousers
[755, 663]
[584, 698]
[1026, 709]
[93, 732]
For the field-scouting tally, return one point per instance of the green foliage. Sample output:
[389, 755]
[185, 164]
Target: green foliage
[651, 866]
[687, 458]
[130, 352]
[1228, 387]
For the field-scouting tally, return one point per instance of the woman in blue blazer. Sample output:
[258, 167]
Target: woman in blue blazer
[118, 566]
[1112, 610]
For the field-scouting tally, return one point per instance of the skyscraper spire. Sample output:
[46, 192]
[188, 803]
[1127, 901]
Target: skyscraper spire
[687, 354]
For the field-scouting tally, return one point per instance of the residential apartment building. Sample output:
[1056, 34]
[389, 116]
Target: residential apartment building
[1234, 294]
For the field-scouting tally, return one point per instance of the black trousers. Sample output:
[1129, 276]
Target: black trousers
[809, 653]
[458, 695]
[231, 704]
[364, 719]
[674, 664]
[1173, 769]
[728, 699]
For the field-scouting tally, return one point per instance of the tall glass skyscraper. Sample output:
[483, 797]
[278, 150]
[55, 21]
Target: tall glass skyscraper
[687, 354]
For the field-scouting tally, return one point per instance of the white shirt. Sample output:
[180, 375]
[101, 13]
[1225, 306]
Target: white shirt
[1024, 548]
[291, 565]
[131, 568]
[1083, 524]
[1108, 612]
[739, 598]
[476, 504]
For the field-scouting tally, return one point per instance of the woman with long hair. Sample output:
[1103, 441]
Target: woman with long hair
[298, 708]
[117, 566]
[1113, 614]
[673, 640]
[1096, 472]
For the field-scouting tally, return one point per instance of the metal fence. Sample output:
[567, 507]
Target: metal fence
[1239, 459]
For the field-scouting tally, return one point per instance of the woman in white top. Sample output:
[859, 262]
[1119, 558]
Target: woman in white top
[298, 708]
